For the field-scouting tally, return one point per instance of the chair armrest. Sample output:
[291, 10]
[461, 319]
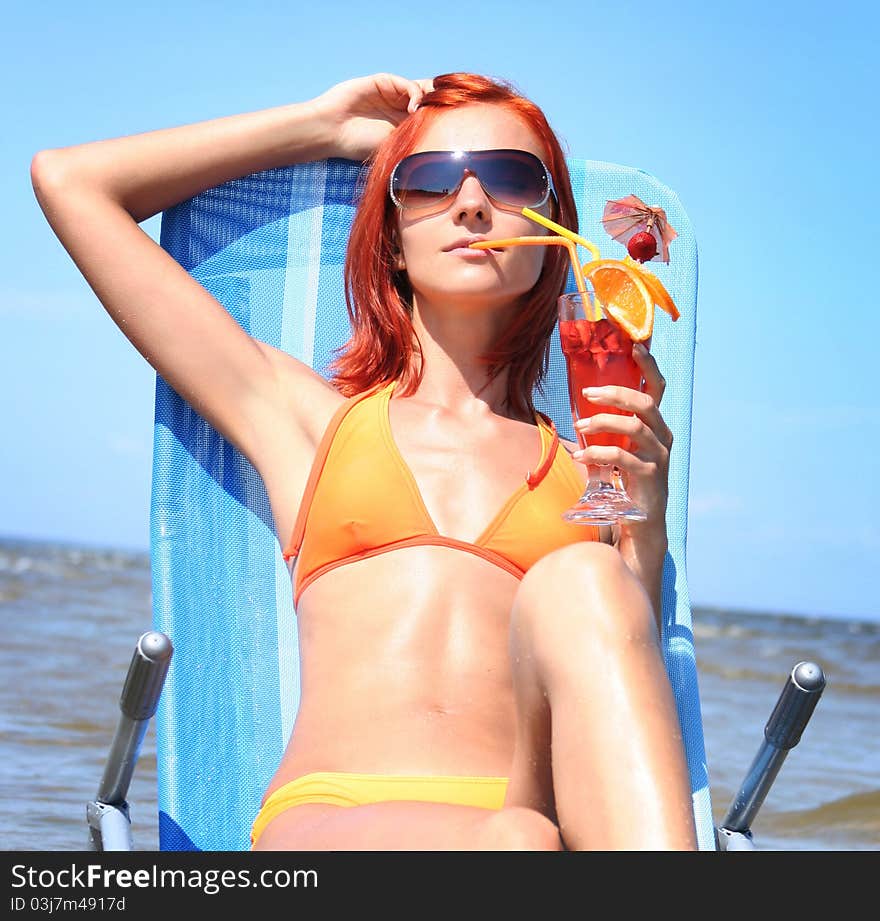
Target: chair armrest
[107, 815]
[787, 722]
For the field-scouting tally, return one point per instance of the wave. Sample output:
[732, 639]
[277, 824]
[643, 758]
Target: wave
[855, 817]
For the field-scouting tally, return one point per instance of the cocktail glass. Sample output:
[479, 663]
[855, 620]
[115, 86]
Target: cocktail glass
[597, 353]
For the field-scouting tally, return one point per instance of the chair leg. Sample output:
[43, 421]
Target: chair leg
[109, 827]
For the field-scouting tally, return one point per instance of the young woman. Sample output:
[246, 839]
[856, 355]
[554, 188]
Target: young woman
[513, 695]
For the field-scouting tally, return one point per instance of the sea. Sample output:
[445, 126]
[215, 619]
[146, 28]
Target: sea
[72, 614]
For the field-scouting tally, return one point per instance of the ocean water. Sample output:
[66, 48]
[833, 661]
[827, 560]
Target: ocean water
[72, 615]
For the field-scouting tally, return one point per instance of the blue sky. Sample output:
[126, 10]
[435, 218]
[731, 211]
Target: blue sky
[761, 117]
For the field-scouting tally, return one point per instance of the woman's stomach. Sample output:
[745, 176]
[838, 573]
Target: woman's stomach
[404, 666]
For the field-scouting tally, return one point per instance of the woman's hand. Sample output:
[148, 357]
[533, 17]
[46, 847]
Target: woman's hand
[645, 465]
[362, 112]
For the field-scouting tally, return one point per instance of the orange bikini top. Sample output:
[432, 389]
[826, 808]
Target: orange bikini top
[361, 499]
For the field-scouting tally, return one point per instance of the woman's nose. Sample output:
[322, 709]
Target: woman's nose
[471, 198]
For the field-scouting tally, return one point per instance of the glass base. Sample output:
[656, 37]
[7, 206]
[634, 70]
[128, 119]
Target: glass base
[602, 504]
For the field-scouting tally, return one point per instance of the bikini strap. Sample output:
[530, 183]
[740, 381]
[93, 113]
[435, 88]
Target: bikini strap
[534, 477]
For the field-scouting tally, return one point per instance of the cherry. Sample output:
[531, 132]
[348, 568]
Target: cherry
[642, 246]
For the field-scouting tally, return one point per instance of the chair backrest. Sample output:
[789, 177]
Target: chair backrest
[270, 247]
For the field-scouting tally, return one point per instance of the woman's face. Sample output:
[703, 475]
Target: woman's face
[437, 269]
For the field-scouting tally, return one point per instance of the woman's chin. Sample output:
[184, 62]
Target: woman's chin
[460, 290]
[474, 302]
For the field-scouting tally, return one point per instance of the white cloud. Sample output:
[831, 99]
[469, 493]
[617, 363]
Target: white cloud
[714, 503]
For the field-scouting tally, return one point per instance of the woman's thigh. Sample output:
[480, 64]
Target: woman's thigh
[571, 610]
[598, 739]
[408, 826]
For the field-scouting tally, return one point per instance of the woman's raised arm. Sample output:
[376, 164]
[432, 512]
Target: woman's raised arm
[95, 195]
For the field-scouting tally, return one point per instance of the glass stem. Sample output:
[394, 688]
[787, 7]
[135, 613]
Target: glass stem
[599, 475]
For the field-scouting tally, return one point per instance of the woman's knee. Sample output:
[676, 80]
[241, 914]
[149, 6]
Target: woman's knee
[583, 585]
[517, 828]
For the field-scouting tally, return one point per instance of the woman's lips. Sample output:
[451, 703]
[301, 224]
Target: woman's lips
[463, 248]
[466, 251]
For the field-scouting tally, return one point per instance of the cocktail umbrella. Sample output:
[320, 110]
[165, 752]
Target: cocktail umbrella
[631, 222]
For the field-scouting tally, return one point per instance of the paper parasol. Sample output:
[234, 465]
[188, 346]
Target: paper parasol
[623, 218]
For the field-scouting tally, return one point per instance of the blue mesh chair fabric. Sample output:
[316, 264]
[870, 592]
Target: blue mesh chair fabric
[270, 247]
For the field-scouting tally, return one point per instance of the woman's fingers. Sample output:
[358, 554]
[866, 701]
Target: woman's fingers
[635, 402]
[645, 460]
[422, 88]
[655, 382]
[395, 90]
[643, 440]
[391, 91]
[645, 465]
[648, 470]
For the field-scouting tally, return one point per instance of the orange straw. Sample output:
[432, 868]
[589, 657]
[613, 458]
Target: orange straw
[540, 241]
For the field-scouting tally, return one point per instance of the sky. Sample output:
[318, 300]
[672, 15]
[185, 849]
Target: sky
[761, 117]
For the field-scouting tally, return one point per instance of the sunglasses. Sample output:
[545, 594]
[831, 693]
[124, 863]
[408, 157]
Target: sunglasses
[515, 178]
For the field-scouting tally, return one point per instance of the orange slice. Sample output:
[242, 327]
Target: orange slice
[622, 291]
[662, 298]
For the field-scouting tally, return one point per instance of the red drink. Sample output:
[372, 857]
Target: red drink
[597, 353]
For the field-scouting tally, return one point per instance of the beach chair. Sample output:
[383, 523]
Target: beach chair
[270, 247]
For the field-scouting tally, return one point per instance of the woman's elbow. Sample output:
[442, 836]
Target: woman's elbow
[48, 170]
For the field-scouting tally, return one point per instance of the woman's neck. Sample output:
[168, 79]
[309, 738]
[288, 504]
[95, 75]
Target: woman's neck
[454, 378]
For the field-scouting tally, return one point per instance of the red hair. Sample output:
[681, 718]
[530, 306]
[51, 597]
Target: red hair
[382, 348]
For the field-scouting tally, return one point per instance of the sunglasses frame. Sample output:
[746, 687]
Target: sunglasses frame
[464, 156]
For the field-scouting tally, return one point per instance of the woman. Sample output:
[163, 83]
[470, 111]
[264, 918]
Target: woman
[524, 702]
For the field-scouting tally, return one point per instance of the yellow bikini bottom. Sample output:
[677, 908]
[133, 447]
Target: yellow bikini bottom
[360, 789]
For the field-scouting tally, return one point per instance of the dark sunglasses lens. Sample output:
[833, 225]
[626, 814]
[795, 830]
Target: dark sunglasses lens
[514, 179]
[421, 181]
